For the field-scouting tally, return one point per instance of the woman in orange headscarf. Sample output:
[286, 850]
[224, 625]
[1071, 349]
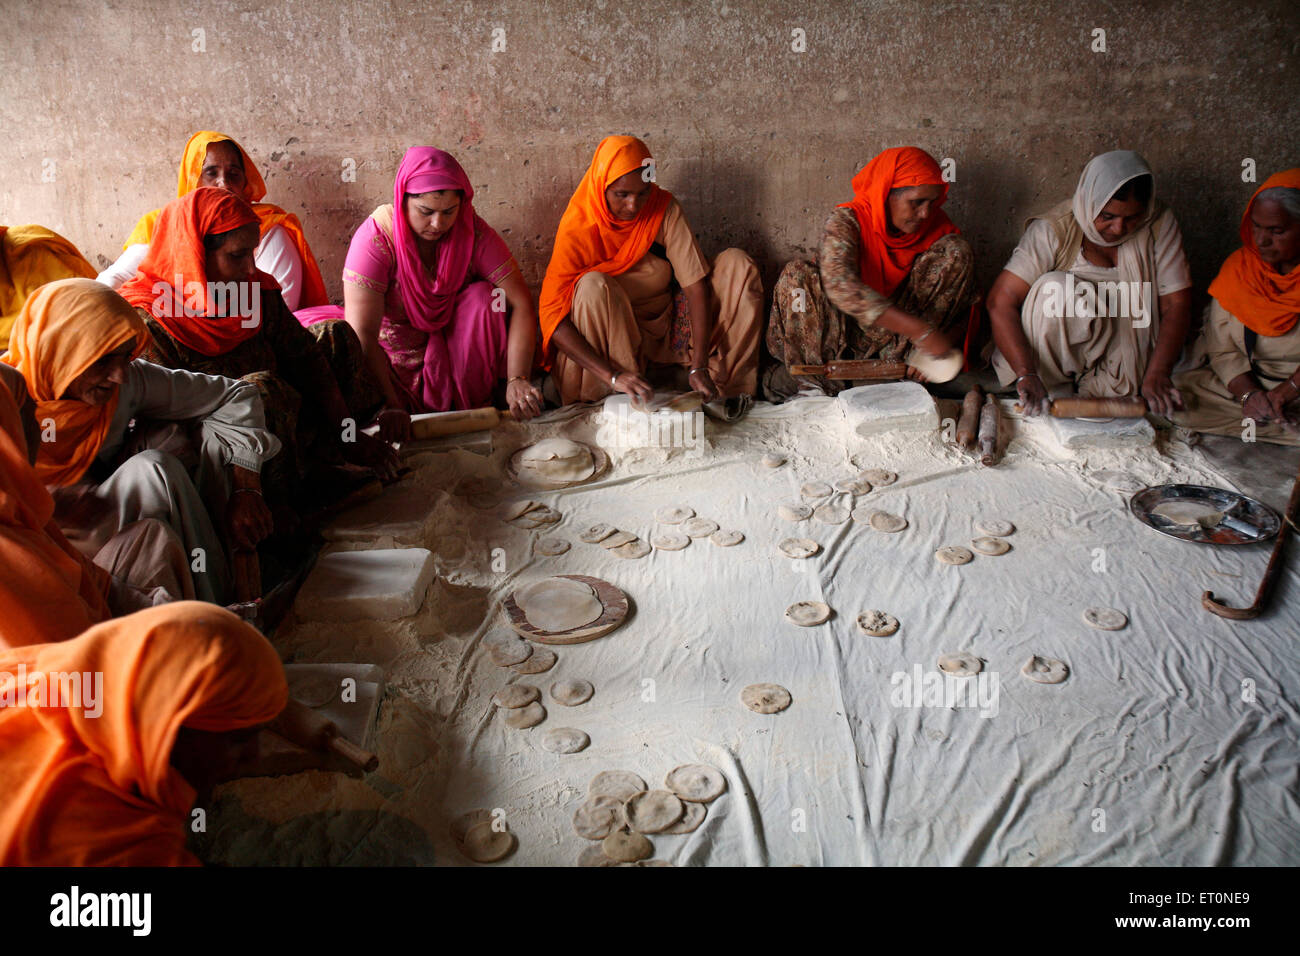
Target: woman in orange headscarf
[626, 288]
[891, 272]
[215, 159]
[107, 739]
[31, 256]
[1246, 362]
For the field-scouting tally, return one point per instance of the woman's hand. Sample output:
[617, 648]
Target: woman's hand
[1033, 394]
[394, 425]
[702, 382]
[248, 519]
[1159, 391]
[373, 453]
[524, 399]
[630, 383]
[1277, 408]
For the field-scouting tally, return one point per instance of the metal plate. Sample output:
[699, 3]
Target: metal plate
[1243, 520]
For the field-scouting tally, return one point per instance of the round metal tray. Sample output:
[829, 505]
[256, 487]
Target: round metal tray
[1244, 520]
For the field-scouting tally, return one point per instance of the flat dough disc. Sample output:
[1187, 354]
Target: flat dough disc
[994, 527]
[461, 825]
[506, 653]
[594, 855]
[674, 515]
[542, 659]
[831, 514]
[886, 522]
[597, 532]
[653, 811]
[989, 545]
[565, 740]
[539, 517]
[795, 512]
[516, 695]
[1188, 513]
[627, 847]
[557, 459]
[1105, 618]
[953, 555]
[799, 547]
[483, 844]
[554, 605]
[853, 486]
[808, 613]
[879, 477]
[696, 782]
[636, 548]
[726, 539]
[773, 460]
[960, 664]
[692, 817]
[617, 539]
[530, 715]
[619, 784]
[700, 527]
[877, 623]
[551, 546]
[942, 368]
[670, 540]
[572, 692]
[1045, 670]
[516, 509]
[598, 817]
[816, 489]
[765, 698]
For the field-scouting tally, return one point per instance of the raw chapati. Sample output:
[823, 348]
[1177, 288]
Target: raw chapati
[653, 810]
[799, 547]
[1045, 670]
[594, 855]
[506, 653]
[884, 521]
[853, 486]
[627, 847]
[953, 555]
[559, 604]
[670, 540]
[700, 527]
[1105, 618]
[696, 782]
[938, 369]
[461, 825]
[530, 715]
[726, 539]
[483, 844]
[765, 698]
[516, 695]
[960, 664]
[1188, 513]
[565, 740]
[988, 545]
[994, 527]
[542, 659]
[674, 514]
[619, 784]
[795, 512]
[816, 489]
[600, 816]
[808, 613]
[552, 546]
[879, 476]
[572, 692]
[877, 623]
[597, 532]
[773, 460]
[636, 548]
[557, 459]
[831, 513]
[617, 540]
[691, 819]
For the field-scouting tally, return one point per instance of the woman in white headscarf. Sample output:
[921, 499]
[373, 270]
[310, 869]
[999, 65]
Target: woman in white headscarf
[1097, 295]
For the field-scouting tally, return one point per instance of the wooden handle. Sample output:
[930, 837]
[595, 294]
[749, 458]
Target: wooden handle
[435, 424]
[314, 731]
[866, 369]
[1099, 408]
[346, 749]
[968, 424]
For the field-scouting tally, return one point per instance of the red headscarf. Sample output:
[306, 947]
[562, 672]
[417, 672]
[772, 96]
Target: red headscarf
[82, 789]
[1265, 301]
[176, 253]
[885, 259]
[590, 239]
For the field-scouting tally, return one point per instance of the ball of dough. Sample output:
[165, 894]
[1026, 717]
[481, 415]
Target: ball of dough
[619, 784]
[877, 623]
[961, 664]
[700, 527]
[879, 477]
[542, 659]
[600, 816]
[572, 692]
[521, 718]
[483, 844]
[627, 847]
[987, 545]
[1045, 670]
[670, 540]
[808, 613]
[1105, 618]
[516, 695]
[653, 810]
[636, 548]
[765, 698]
[831, 514]
[565, 740]
[674, 514]
[886, 522]
[551, 546]
[773, 460]
[937, 368]
[994, 527]
[799, 547]
[795, 512]
[597, 532]
[816, 489]
[696, 782]
[726, 539]
[953, 555]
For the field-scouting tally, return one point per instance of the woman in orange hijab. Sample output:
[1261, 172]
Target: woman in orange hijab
[101, 764]
[215, 159]
[628, 287]
[891, 273]
[1246, 363]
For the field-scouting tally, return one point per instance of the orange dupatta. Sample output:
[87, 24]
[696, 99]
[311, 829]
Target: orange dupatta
[268, 214]
[885, 259]
[87, 790]
[1262, 299]
[65, 327]
[590, 239]
[31, 256]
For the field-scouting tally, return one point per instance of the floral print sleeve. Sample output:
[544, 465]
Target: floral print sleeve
[838, 263]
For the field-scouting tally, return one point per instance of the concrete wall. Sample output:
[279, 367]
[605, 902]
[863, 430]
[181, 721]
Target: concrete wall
[758, 141]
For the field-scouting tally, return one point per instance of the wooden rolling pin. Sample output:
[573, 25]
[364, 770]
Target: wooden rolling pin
[969, 423]
[313, 731]
[869, 369]
[988, 435]
[1096, 408]
[436, 424]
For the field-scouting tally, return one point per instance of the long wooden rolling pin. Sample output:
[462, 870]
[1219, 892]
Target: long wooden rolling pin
[436, 424]
[313, 731]
[969, 423]
[988, 437]
[1095, 408]
[867, 369]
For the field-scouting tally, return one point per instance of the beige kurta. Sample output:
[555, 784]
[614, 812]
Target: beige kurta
[631, 320]
[1219, 356]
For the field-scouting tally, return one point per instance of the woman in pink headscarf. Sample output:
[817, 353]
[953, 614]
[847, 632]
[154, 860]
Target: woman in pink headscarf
[437, 300]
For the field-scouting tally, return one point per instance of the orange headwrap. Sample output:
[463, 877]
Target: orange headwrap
[31, 256]
[66, 327]
[48, 591]
[590, 239]
[268, 214]
[84, 790]
[885, 259]
[1265, 301]
[186, 310]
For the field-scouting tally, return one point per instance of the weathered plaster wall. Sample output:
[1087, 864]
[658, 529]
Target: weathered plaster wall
[757, 140]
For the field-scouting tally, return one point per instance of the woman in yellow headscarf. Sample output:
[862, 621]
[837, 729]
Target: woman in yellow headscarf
[31, 256]
[626, 288]
[215, 159]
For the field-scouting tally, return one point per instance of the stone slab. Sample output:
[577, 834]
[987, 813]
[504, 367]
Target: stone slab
[1075, 434]
[889, 406]
[379, 585]
[404, 511]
